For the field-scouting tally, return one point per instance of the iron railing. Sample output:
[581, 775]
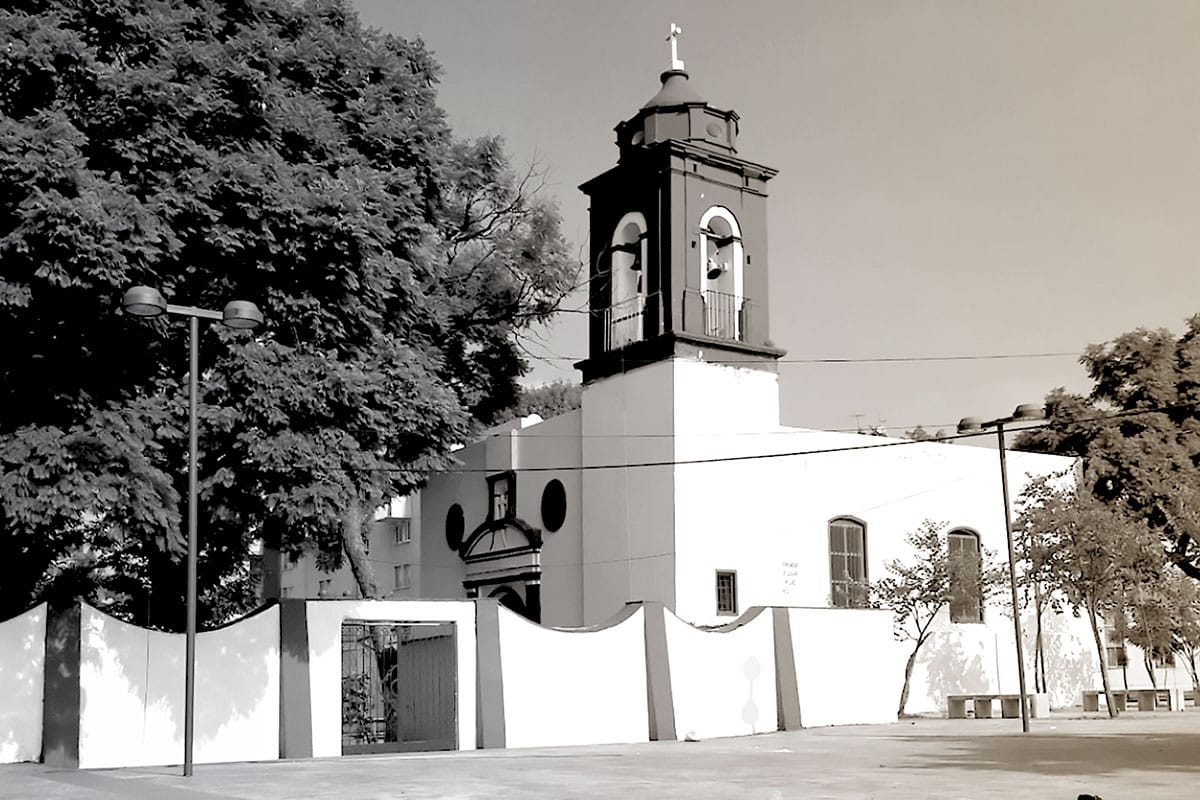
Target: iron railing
[723, 315]
[625, 321]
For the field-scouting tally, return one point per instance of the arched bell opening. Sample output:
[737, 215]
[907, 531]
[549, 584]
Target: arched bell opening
[721, 274]
[627, 254]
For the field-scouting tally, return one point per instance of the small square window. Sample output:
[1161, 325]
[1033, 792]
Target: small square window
[403, 575]
[727, 592]
[403, 533]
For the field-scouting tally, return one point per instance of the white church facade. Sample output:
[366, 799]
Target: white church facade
[675, 481]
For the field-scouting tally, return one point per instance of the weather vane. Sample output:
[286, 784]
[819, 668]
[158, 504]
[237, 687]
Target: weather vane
[673, 38]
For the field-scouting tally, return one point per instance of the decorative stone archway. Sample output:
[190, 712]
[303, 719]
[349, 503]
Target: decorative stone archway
[505, 554]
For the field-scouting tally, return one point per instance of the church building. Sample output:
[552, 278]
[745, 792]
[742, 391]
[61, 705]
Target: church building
[675, 481]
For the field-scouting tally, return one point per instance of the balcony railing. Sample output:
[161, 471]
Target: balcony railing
[624, 322]
[719, 315]
[724, 315]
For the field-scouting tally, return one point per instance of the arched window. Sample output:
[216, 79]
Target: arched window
[627, 299]
[847, 563]
[721, 273]
[965, 565]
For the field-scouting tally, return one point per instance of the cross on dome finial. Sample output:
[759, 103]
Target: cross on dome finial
[673, 38]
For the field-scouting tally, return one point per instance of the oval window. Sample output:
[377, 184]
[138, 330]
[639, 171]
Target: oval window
[554, 505]
[455, 526]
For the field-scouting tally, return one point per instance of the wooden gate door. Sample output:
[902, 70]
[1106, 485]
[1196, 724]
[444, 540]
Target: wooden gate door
[399, 687]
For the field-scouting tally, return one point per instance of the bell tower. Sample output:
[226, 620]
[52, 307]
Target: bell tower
[678, 258]
[678, 347]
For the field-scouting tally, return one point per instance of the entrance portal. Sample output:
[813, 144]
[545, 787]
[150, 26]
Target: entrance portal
[399, 687]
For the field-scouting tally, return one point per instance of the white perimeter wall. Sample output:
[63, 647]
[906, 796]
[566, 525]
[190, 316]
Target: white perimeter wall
[325, 620]
[131, 684]
[723, 683]
[848, 670]
[22, 660]
[573, 687]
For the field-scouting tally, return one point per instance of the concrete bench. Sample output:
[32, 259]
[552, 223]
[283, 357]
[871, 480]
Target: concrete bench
[983, 702]
[1172, 699]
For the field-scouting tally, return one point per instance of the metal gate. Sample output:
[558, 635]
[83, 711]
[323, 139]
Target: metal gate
[399, 687]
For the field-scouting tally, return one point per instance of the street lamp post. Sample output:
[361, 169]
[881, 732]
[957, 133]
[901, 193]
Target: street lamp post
[144, 301]
[1024, 413]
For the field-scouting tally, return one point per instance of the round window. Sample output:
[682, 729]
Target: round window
[554, 505]
[455, 526]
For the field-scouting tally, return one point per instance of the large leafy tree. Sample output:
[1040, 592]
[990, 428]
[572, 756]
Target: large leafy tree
[264, 150]
[1138, 432]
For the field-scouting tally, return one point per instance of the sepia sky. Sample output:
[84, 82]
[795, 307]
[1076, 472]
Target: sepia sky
[956, 178]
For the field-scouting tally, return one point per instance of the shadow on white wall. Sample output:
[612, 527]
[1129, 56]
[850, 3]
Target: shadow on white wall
[132, 692]
[22, 676]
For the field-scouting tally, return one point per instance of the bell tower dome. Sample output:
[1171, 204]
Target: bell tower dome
[678, 257]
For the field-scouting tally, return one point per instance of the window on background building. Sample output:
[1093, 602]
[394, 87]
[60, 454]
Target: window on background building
[847, 563]
[727, 592]
[403, 575]
[1162, 658]
[403, 531]
[966, 597]
[1114, 641]
[323, 587]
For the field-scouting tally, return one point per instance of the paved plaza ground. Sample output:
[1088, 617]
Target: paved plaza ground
[1149, 755]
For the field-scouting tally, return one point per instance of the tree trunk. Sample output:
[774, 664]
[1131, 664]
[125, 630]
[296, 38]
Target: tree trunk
[1039, 654]
[1148, 660]
[1108, 700]
[354, 546]
[908, 669]
[356, 553]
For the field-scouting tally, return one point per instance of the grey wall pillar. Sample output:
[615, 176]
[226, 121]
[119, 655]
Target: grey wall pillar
[489, 675]
[661, 704]
[295, 689]
[61, 695]
[786, 687]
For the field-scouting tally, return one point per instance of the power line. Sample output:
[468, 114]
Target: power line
[526, 433]
[862, 360]
[791, 454]
[685, 462]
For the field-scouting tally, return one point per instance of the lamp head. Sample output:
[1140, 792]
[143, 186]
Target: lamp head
[970, 425]
[1029, 412]
[241, 314]
[143, 301]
